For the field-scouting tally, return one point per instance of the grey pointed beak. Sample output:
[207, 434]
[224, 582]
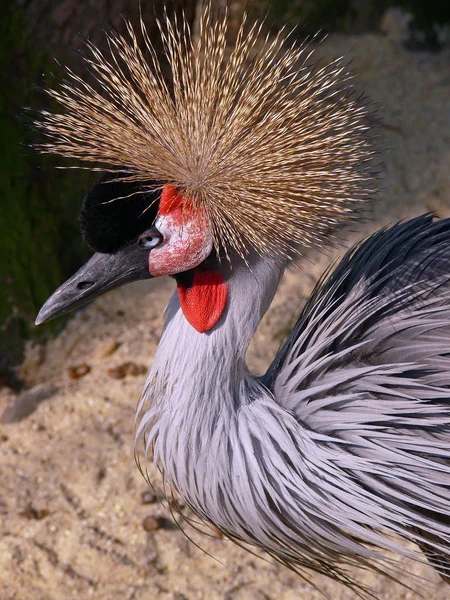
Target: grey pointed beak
[101, 273]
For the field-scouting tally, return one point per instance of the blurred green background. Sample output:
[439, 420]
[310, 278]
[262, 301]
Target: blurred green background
[40, 245]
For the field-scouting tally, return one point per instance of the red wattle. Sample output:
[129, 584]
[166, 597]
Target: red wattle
[204, 301]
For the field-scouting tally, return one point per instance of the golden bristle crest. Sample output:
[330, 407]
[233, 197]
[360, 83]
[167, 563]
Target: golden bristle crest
[274, 150]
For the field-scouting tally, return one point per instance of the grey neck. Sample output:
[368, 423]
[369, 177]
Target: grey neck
[195, 374]
[199, 383]
[219, 354]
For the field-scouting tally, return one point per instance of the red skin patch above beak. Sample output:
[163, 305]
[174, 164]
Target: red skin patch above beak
[171, 199]
[204, 302]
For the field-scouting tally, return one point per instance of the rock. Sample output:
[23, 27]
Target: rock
[27, 402]
[150, 523]
[128, 368]
[78, 371]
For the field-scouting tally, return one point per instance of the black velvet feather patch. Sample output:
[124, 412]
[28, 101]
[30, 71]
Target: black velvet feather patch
[115, 213]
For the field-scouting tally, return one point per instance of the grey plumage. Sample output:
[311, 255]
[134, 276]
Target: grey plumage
[345, 443]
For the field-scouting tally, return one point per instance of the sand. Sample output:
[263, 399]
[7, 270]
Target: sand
[77, 521]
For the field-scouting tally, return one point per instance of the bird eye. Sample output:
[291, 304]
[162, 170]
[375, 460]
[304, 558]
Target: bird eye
[150, 239]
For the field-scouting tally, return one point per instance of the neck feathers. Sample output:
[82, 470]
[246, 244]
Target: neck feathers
[184, 351]
[196, 376]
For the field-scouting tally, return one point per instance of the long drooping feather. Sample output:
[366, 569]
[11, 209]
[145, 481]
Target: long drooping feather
[274, 150]
[366, 371]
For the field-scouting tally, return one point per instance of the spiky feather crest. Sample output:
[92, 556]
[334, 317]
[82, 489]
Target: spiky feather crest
[274, 150]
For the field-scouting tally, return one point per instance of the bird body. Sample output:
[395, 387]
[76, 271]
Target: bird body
[343, 447]
[312, 461]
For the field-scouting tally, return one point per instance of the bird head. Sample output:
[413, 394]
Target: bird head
[254, 149]
[139, 232]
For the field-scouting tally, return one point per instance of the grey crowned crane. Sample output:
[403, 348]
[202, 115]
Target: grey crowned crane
[218, 175]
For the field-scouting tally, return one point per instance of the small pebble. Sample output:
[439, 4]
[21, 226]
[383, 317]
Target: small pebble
[150, 523]
[128, 368]
[107, 347]
[33, 513]
[78, 371]
[149, 497]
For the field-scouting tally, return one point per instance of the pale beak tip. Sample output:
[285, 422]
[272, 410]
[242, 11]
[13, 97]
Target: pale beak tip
[40, 318]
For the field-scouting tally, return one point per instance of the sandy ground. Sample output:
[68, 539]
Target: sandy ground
[77, 520]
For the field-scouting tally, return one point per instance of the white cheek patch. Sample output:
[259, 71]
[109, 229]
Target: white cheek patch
[187, 243]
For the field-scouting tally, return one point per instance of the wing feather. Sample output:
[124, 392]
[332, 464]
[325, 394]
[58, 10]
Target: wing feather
[366, 370]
